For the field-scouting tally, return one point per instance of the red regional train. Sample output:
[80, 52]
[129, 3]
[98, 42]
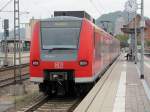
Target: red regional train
[69, 53]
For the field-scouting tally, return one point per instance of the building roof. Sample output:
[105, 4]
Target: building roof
[147, 22]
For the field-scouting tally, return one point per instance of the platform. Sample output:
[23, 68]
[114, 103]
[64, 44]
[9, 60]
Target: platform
[120, 90]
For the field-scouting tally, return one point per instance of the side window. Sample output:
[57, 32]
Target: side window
[94, 38]
[97, 44]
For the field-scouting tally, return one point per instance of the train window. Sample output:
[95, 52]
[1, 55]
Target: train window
[60, 34]
[60, 37]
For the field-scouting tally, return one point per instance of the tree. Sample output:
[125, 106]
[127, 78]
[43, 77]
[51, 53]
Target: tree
[123, 40]
[148, 43]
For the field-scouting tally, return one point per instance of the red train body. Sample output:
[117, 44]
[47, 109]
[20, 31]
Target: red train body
[56, 60]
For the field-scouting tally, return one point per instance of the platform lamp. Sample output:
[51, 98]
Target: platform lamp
[131, 6]
[142, 25]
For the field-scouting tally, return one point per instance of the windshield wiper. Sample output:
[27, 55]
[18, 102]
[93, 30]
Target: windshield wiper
[51, 49]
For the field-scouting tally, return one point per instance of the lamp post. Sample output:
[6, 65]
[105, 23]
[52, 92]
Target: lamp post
[142, 40]
[135, 32]
[132, 6]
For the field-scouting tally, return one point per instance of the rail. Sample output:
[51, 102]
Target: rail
[36, 105]
[12, 80]
[53, 104]
[12, 67]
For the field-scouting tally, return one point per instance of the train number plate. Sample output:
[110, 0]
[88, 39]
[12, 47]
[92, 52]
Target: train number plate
[58, 75]
[58, 65]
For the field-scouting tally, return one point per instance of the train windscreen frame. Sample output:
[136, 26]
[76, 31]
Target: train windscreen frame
[60, 34]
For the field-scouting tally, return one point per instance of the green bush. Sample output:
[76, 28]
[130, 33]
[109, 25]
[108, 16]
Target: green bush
[148, 43]
[122, 38]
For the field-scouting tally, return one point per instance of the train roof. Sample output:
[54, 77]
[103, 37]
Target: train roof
[79, 14]
[70, 16]
[63, 18]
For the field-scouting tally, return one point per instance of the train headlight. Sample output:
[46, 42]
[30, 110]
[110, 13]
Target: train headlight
[83, 63]
[35, 63]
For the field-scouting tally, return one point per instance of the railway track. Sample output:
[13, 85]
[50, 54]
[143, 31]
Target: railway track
[9, 81]
[47, 104]
[7, 76]
[12, 67]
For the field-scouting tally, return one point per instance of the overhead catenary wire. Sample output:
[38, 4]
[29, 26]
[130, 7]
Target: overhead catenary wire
[1, 9]
[99, 2]
[95, 7]
[9, 11]
[2, 2]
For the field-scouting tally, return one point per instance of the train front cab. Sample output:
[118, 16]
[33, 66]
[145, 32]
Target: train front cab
[49, 64]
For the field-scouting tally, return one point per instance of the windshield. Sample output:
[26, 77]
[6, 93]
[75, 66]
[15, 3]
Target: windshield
[60, 35]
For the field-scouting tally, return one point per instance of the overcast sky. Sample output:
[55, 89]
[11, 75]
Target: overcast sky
[44, 8]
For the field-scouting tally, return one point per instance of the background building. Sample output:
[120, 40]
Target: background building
[129, 29]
